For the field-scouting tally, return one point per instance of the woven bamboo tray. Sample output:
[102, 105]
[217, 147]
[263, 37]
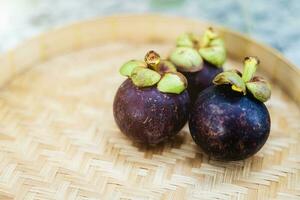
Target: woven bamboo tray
[58, 139]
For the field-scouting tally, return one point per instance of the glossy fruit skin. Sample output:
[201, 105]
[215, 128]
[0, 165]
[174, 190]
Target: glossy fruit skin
[200, 80]
[147, 115]
[228, 125]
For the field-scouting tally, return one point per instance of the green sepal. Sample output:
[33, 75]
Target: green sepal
[259, 88]
[127, 68]
[231, 77]
[215, 55]
[186, 59]
[165, 66]
[184, 40]
[208, 36]
[144, 77]
[217, 42]
[172, 83]
[212, 48]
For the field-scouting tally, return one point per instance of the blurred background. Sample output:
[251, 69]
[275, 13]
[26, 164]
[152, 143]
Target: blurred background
[276, 22]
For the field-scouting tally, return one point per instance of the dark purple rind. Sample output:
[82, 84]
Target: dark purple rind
[147, 115]
[228, 125]
[200, 80]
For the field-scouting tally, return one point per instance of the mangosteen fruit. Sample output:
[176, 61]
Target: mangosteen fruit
[153, 104]
[200, 59]
[201, 80]
[229, 120]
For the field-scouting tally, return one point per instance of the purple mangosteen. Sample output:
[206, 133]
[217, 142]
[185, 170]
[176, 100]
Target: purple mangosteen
[153, 104]
[229, 120]
[200, 59]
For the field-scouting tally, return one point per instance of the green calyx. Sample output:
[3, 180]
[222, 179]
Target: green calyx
[144, 77]
[215, 55]
[188, 40]
[186, 59]
[191, 49]
[172, 83]
[165, 66]
[212, 48]
[127, 67]
[184, 40]
[257, 86]
[154, 71]
[231, 77]
[208, 36]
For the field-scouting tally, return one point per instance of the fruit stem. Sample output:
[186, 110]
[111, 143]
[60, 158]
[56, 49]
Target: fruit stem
[250, 66]
[152, 59]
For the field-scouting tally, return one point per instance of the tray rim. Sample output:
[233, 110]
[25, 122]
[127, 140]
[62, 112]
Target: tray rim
[15, 70]
[114, 16]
